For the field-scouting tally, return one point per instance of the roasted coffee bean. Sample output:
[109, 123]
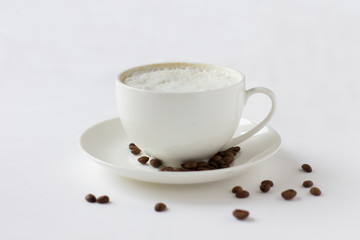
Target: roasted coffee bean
[134, 149]
[307, 183]
[103, 199]
[159, 207]
[229, 154]
[224, 165]
[202, 169]
[227, 160]
[220, 162]
[288, 194]
[166, 169]
[306, 167]
[90, 198]
[189, 164]
[236, 148]
[236, 188]
[242, 194]
[201, 164]
[267, 182]
[315, 191]
[143, 159]
[156, 162]
[265, 187]
[240, 214]
[215, 158]
[214, 164]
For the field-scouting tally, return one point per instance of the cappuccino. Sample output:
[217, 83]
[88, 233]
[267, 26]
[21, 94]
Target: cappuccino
[181, 79]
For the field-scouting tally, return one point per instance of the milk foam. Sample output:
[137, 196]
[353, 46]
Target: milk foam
[182, 79]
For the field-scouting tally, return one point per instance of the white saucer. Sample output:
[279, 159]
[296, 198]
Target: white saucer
[107, 144]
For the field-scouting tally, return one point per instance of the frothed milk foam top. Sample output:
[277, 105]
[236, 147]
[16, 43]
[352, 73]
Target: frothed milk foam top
[181, 79]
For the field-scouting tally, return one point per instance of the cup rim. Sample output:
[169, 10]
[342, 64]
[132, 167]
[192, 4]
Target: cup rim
[120, 77]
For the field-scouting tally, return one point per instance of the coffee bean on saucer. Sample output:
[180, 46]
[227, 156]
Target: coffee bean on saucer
[315, 191]
[189, 164]
[201, 164]
[236, 188]
[143, 159]
[288, 194]
[265, 187]
[306, 167]
[156, 162]
[268, 182]
[166, 169]
[103, 199]
[242, 194]
[134, 149]
[159, 207]
[90, 198]
[236, 148]
[240, 214]
[307, 183]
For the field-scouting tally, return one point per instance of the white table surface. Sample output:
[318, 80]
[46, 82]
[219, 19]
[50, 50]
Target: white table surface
[58, 61]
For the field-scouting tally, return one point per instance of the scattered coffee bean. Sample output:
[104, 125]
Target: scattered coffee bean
[143, 159]
[201, 164]
[236, 188]
[288, 194]
[242, 194]
[134, 149]
[306, 167]
[90, 198]
[189, 165]
[166, 169]
[315, 191]
[236, 148]
[307, 183]
[156, 163]
[267, 182]
[240, 214]
[159, 207]
[103, 199]
[265, 187]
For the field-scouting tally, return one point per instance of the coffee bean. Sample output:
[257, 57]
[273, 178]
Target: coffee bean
[189, 164]
[202, 168]
[166, 169]
[103, 199]
[307, 183]
[236, 188]
[242, 194]
[315, 191]
[265, 187]
[201, 164]
[159, 207]
[143, 159]
[306, 167]
[288, 194]
[90, 198]
[134, 149]
[215, 158]
[156, 163]
[240, 214]
[236, 148]
[227, 160]
[229, 154]
[268, 182]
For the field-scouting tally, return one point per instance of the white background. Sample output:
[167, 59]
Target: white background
[58, 62]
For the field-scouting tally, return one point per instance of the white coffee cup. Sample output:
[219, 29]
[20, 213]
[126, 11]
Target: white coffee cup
[179, 126]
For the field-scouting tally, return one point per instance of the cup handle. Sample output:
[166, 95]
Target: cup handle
[250, 92]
